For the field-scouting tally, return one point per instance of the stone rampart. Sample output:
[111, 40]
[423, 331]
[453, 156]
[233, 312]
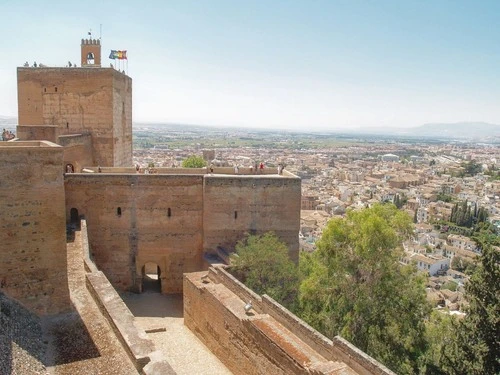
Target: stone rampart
[247, 341]
[234, 205]
[168, 220]
[134, 340]
[38, 132]
[33, 265]
[135, 219]
[284, 329]
[77, 150]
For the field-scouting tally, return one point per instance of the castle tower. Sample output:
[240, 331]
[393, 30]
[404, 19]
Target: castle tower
[87, 109]
[91, 52]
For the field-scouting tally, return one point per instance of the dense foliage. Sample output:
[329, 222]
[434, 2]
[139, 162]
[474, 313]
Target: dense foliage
[194, 161]
[463, 215]
[476, 348]
[355, 287]
[262, 262]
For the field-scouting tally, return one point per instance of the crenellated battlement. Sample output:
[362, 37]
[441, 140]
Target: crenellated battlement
[91, 41]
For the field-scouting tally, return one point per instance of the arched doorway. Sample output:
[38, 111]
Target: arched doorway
[73, 216]
[151, 282]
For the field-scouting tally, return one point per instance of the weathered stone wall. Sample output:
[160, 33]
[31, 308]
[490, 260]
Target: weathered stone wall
[80, 100]
[37, 133]
[33, 265]
[233, 205]
[135, 219]
[267, 339]
[122, 119]
[77, 150]
[248, 343]
[169, 220]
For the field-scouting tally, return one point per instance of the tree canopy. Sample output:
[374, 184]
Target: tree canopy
[354, 286]
[194, 161]
[476, 350]
[263, 264]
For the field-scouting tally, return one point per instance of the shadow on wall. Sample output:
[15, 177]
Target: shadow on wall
[50, 341]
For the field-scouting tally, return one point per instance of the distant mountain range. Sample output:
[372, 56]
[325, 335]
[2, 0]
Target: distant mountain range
[8, 122]
[474, 130]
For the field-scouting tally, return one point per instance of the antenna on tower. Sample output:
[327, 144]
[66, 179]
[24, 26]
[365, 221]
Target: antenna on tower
[100, 31]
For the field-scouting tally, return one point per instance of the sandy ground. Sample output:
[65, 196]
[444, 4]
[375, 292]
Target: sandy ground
[183, 350]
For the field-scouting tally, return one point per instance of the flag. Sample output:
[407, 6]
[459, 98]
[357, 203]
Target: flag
[120, 55]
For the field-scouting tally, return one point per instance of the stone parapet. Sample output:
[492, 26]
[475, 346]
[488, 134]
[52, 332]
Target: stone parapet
[134, 340]
[267, 332]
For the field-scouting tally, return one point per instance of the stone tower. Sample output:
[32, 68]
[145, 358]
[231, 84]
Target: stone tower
[91, 53]
[87, 109]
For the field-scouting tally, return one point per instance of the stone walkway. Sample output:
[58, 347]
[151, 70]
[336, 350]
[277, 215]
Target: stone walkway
[183, 350]
[83, 342]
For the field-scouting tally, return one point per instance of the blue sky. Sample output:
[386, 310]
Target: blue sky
[281, 64]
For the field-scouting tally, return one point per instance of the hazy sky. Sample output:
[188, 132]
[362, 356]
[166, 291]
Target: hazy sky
[284, 64]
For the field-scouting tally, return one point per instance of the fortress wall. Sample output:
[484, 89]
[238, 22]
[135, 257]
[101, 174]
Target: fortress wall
[33, 264]
[122, 244]
[221, 329]
[213, 310]
[234, 205]
[37, 132]
[76, 100]
[248, 343]
[122, 119]
[77, 150]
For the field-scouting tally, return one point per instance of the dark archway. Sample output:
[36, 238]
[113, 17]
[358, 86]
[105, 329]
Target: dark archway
[151, 282]
[73, 216]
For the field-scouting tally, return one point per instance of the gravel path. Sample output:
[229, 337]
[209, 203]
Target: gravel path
[22, 346]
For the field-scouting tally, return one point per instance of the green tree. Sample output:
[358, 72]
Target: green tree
[471, 168]
[357, 288]
[440, 335]
[263, 264]
[194, 161]
[477, 348]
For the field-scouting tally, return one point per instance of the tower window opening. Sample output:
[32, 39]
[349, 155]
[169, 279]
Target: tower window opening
[55, 89]
[235, 214]
[119, 211]
[90, 58]
[169, 212]
[45, 89]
